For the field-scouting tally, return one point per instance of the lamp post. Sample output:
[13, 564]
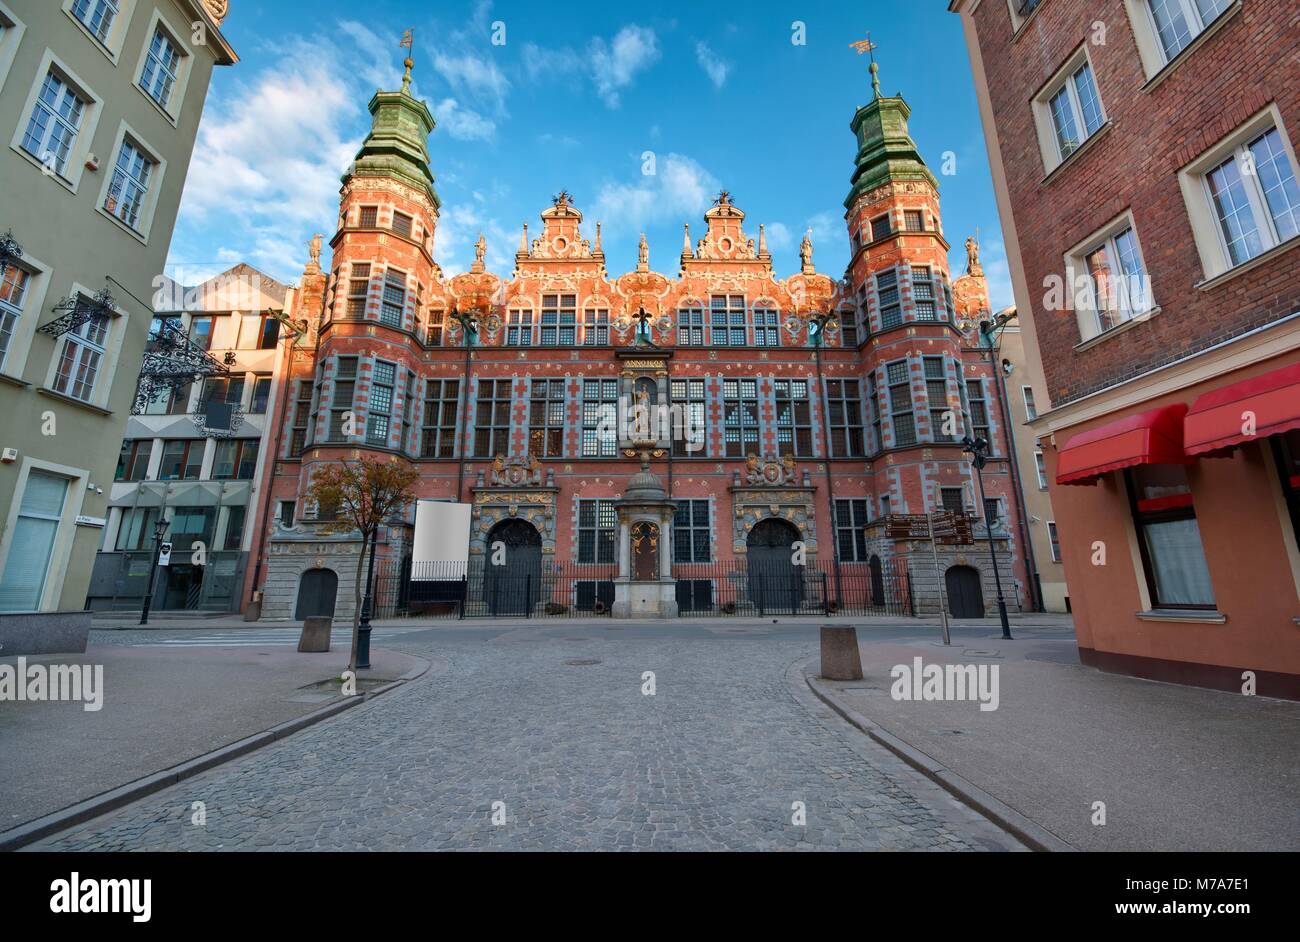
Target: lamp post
[159, 531]
[824, 320]
[469, 325]
[367, 601]
[978, 449]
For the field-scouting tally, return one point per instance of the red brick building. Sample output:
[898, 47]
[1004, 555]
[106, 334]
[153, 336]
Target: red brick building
[496, 386]
[1144, 156]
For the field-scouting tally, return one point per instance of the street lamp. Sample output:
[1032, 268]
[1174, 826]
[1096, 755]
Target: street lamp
[159, 531]
[978, 449]
[823, 321]
[367, 602]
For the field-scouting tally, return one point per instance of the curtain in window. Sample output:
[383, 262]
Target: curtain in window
[1178, 563]
[37, 526]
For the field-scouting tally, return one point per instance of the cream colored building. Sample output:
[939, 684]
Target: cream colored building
[1026, 398]
[100, 103]
[182, 463]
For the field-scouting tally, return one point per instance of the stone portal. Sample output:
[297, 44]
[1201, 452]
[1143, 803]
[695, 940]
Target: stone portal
[645, 587]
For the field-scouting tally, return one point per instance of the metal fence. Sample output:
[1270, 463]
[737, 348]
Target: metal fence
[757, 587]
[535, 589]
[540, 589]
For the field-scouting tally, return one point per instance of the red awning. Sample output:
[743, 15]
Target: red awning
[1154, 437]
[1218, 421]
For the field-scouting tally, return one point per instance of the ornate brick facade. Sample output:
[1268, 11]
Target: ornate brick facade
[472, 375]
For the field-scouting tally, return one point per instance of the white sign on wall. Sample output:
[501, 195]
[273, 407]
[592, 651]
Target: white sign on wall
[165, 554]
[441, 533]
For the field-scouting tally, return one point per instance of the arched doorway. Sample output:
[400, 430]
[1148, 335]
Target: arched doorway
[513, 587]
[317, 591]
[965, 594]
[775, 582]
[877, 582]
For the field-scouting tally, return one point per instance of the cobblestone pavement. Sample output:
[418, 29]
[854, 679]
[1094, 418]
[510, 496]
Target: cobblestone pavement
[557, 728]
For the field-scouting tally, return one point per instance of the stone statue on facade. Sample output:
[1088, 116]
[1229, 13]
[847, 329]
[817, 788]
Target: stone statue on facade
[313, 251]
[973, 266]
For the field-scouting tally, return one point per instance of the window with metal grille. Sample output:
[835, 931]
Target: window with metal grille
[923, 293]
[595, 327]
[887, 297]
[689, 435]
[844, 409]
[692, 537]
[546, 419]
[914, 220]
[441, 406]
[358, 289]
[402, 224]
[793, 418]
[161, 67]
[740, 417]
[369, 217]
[899, 379]
[519, 328]
[559, 319]
[492, 418]
[690, 326]
[727, 319]
[851, 530]
[767, 327]
[979, 411]
[881, 228]
[597, 524]
[345, 386]
[952, 499]
[382, 384]
[936, 391]
[599, 418]
[393, 308]
[302, 411]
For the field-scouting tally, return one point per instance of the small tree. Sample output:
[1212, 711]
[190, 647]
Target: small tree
[358, 496]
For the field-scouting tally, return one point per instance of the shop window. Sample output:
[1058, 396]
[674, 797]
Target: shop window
[1169, 538]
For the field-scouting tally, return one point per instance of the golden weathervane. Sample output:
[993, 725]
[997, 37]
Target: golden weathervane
[868, 47]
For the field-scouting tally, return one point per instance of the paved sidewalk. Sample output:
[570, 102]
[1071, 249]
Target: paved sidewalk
[1178, 768]
[161, 706]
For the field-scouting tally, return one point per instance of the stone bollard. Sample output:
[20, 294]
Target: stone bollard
[840, 657]
[315, 638]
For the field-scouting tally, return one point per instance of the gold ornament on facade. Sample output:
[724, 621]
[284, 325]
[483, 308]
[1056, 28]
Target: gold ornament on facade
[217, 9]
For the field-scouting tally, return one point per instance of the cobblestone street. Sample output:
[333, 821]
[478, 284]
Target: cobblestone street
[554, 725]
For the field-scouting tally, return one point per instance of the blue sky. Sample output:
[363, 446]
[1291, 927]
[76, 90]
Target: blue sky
[573, 98]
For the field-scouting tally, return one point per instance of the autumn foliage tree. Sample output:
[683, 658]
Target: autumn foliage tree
[359, 497]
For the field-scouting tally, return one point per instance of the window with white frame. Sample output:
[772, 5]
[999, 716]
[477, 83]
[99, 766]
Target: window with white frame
[1031, 409]
[1255, 198]
[161, 67]
[728, 320]
[1040, 466]
[54, 123]
[599, 404]
[923, 293]
[1054, 541]
[1178, 22]
[130, 184]
[13, 292]
[595, 327]
[559, 319]
[31, 547]
[383, 383]
[767, 329]
[98, 16]
[358, 289]
[1075, 108]
[81, 358]
[887, 296]
[1116, 280]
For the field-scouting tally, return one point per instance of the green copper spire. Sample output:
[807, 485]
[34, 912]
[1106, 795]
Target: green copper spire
[886, 150]
[397, 145]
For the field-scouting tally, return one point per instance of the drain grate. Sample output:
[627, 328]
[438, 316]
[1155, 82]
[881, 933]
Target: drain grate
[582, 661]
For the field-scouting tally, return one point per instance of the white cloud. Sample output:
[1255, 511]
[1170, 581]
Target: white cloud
[714, 67]
[461, 123]
[779, 238]
[468, 72]
[615, 65]
[678, 192]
